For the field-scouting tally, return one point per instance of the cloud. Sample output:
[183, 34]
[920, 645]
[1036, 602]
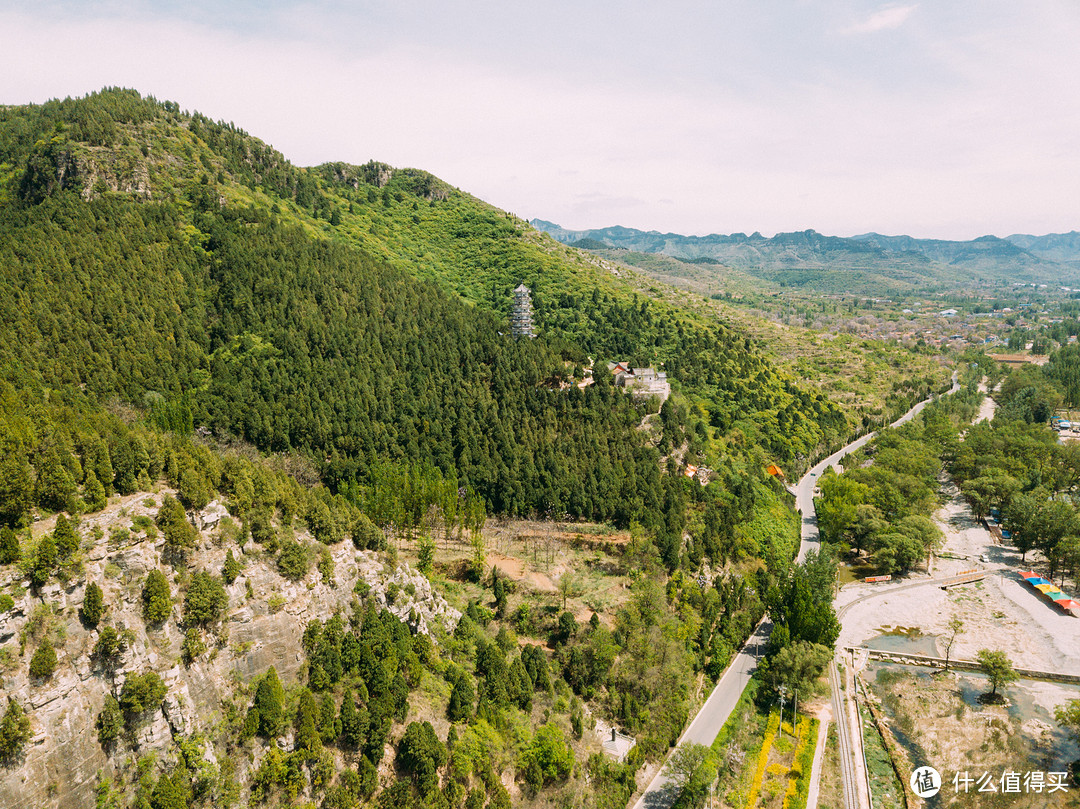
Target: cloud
[955, 131]
[884, 19]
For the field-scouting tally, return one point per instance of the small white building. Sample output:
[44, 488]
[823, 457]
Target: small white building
[641, 382]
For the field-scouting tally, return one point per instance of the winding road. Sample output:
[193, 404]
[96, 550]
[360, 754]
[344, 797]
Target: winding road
[661, 792]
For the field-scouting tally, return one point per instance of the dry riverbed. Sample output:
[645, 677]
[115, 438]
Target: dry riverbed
[938, 715]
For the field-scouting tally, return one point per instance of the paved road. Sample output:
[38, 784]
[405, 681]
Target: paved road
[661, 793]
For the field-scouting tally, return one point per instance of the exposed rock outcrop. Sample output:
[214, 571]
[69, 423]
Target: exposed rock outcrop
[60, 764]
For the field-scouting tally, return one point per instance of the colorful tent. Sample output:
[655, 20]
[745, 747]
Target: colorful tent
[1068, 604]
[1058, 596]
[1029, 574]
[1036, 581]
[1046, 588]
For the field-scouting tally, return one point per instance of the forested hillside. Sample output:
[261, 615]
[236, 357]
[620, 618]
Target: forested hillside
[214, 289]
[192, 327]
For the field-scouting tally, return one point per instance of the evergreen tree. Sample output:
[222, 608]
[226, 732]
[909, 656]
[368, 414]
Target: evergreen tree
[141, 693]
[269, 698]
[16, 485]
[43, 663]
[67, 541]
[173, 522]
[14, 731]
[94, 493]
[205, 600]
[353, 724]
[109, 647]
[9, 546]
[168, 793]
[307, 733]
[110, 721]
[93, 606]
[156, 599]
[44, 561]
[462, 700]
[231, 569]
[421, 754]
[55, 487]
[329, 727]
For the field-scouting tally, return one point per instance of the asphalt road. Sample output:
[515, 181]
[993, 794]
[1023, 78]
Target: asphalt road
[661, 793]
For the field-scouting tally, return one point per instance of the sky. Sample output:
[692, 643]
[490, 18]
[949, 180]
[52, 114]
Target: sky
[945, 119]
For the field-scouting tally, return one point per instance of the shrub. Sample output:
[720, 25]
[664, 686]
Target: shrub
[43, 663]
[294, 561]
[156, 598]
[109, 647]
[93, 606]
[6, 602]
[548, 758]
[192, 646]
[140, 693]
[326, 566]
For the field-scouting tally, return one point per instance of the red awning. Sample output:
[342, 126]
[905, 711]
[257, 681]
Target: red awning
[1029, 574]
[1068, 604]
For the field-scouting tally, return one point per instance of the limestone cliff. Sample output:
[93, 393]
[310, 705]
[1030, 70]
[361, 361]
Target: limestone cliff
[59, 766]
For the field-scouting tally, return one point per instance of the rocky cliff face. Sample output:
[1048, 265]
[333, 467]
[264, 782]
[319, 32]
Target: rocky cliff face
[61, 763]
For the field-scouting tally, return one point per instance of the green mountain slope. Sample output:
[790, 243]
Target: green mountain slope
[260, 290]
[183, 311]
[869, 264]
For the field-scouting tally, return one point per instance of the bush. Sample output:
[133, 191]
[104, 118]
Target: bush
[109, 647]
[294, 560]
[326, 566]
[93, 606]
[43, 663]
[140, 693]
[156, 598]
[192, 646]
[548, 758]
[6, 602]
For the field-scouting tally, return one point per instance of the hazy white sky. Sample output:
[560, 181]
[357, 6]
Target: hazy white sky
[946, 119]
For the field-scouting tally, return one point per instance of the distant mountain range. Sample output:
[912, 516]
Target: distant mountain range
[869, 263]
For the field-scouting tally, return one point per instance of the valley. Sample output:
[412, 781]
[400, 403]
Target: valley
[297, 508]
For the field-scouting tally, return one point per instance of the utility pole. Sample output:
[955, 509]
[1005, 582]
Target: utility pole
[783, 699]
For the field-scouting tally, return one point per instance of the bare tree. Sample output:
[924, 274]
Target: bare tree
[956, 626]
